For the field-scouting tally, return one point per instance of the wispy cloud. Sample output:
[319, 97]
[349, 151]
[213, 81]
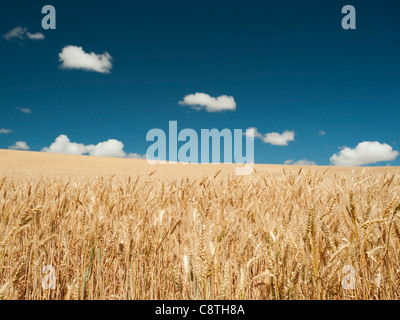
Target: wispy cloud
[19, 145]
[24, 110]
[303, 162]
[200, 101]
[4, 131]
[73, 57]
[16, 33]
[366, 152]
[321, 133]
[21, 33]
[109, 148]
[275, 138]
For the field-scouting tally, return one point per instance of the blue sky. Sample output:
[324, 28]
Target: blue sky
[289, 65]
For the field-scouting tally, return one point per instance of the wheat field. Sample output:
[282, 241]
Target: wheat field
[201, 233]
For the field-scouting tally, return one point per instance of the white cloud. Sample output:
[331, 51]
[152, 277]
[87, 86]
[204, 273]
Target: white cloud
[366, 152]
[4, 131]
[136, 156]
[35, 36]
[254, 133]
[322, 133]
[19, 145]
[73, 57]
[109, 148]
[22, 34]
[275, 138]
[303, 162]
[24, 110]
[200, 101]
[62, 144]
[279, 139]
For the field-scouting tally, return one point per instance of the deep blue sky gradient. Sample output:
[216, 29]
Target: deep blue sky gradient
[288, 64]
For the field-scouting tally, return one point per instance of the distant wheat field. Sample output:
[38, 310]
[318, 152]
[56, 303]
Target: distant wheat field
[76, 227]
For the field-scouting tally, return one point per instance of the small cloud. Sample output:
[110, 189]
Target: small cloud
[109, 148]
[22, 34]
[73, 57]
[366, 152]
[16, 33]
[279, 139]
[200, 101]
[303, 162]
[136, 156]
[253, 133]
[4, 131]
[275, 138]
[35, 36]
[24, 110]
[321, 133]
[19, 145]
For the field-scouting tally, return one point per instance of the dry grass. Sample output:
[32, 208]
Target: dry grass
[258, 237]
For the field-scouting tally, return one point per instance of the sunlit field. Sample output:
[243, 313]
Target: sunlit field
[282, 232]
